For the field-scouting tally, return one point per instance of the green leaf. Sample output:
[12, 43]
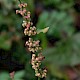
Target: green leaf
[59, 23]
[62, 5]
[43, 30]
[18, 75]
[5, 42]
[65, 52]
[4, 76]
[42, 21]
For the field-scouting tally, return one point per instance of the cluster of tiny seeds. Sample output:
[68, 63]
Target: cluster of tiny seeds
[27, 16]
[33, 46]
[22, 10]
[22, 5]
[36, 62]
[30, 31]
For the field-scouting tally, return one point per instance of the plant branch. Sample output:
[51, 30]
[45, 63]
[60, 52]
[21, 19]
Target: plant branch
[19, 1]
[38, 78]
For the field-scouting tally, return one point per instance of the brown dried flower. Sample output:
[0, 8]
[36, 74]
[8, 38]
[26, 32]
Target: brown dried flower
[33, 45]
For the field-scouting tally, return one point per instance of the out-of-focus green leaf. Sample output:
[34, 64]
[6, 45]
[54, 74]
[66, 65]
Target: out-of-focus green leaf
[62, 5]
[5, 42]
[55, 70]
[59, 23]
[76, 44]
[65, 52]
[4, 76]
[19, 75]
[42, 20]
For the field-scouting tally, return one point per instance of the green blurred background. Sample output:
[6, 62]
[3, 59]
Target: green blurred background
[61, 44]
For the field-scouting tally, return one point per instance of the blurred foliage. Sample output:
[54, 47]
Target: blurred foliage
[55, 21]
[66, 51]
[18, 75]
[60, 4]
[5, 42]
[4, 75]
[63, 52]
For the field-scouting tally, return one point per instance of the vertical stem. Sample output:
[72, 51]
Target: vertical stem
[19, 1]
[38, 78]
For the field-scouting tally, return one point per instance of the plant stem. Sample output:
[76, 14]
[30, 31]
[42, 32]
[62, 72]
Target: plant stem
[19, 1]
[38, 78]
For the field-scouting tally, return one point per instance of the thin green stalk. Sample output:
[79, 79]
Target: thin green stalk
[19, 1]
[38, 78]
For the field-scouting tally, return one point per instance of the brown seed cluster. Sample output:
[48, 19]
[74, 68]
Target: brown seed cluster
[22, 5]
[22, 12]
[30, 31]
[33, 45]
[36, 62]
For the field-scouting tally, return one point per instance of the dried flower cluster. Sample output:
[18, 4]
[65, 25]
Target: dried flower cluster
[30, 31]
[36, 62]
[33, 46]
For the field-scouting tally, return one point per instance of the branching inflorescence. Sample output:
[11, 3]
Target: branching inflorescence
[33, 45]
